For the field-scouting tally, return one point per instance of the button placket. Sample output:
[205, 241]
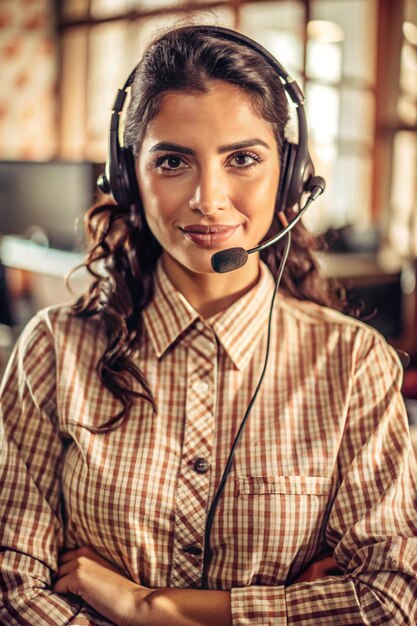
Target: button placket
[194, 480]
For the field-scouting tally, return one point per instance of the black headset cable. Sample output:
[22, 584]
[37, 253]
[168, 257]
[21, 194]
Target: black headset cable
[228, 467]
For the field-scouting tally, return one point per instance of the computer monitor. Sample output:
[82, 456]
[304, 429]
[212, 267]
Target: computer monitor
[46, 200]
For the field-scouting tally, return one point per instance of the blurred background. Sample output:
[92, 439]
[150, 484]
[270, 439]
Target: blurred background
[356, 60]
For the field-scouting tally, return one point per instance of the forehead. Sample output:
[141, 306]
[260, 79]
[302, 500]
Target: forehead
[223, 109]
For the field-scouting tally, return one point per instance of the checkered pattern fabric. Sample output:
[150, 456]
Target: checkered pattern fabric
[324, 462]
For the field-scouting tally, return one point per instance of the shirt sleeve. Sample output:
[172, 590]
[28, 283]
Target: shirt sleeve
[31, 455]
[372, 526]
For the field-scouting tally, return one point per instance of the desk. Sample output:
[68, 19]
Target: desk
[47, 268]
[360, 266]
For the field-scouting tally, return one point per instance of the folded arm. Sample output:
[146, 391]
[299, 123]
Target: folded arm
[31, 454]
[372, 527]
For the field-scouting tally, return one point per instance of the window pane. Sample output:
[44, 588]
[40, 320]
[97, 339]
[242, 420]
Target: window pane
[407, 110]
[321, 215]
[278, 26]
[107, 73]
[322, 106]
[356, 115]
[352, 202]
[324, 60]
[347, 198]
[106, 8]
[408, 76]
[357, 19]
[219, 16]
[404, 211]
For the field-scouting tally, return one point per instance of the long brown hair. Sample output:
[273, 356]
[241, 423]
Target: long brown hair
[182, 59]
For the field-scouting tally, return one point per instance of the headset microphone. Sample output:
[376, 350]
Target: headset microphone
[234, 258]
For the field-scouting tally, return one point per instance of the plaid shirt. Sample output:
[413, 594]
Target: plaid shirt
[325, 461]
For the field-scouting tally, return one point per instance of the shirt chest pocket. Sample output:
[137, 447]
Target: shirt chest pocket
[283, 485]
[281, 519]
[292, 507]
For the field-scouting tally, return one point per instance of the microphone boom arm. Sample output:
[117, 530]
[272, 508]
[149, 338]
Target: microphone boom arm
[285, 230]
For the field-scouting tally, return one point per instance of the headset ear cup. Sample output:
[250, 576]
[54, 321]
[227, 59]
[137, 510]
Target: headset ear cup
[297, 169]
[303, 170]
[132, 188]
[128, 176]
[119, 180]
[118, 162]
[287, 173]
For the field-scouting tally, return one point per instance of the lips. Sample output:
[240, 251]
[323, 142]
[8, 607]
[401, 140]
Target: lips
[208, 236]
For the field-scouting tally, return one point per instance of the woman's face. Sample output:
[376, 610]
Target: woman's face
[208, 173]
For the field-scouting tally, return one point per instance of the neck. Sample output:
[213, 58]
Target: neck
[212, 293]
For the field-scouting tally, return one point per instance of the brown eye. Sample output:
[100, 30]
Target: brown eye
[244, 159]
[241, 159]
[170, 162]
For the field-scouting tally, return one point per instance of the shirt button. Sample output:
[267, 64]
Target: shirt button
[195, 550]
[201, 465]
[200, 386]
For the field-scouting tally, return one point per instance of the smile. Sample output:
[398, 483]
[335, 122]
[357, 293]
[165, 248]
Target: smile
[208, 236]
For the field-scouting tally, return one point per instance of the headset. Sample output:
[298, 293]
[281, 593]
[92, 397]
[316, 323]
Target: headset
[297, 169]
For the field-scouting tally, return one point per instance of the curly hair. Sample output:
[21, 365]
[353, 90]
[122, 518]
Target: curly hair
[183, 59]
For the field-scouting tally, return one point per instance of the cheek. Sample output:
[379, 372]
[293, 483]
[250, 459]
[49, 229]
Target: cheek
[261, 207]
[157, 202]
[270, 183]
[260, 197]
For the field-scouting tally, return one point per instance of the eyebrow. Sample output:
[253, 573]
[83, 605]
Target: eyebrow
[173, 147]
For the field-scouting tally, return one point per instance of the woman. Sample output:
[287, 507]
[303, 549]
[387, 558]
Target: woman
[120, 413]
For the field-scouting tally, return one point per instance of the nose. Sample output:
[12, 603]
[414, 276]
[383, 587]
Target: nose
[210, 193]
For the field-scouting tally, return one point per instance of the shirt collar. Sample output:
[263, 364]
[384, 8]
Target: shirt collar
[168, 315]
[238, 328]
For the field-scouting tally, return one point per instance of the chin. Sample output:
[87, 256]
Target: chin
[201, 266]
[197, 263]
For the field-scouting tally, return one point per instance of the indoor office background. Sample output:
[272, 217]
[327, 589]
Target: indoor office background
[356, 60]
